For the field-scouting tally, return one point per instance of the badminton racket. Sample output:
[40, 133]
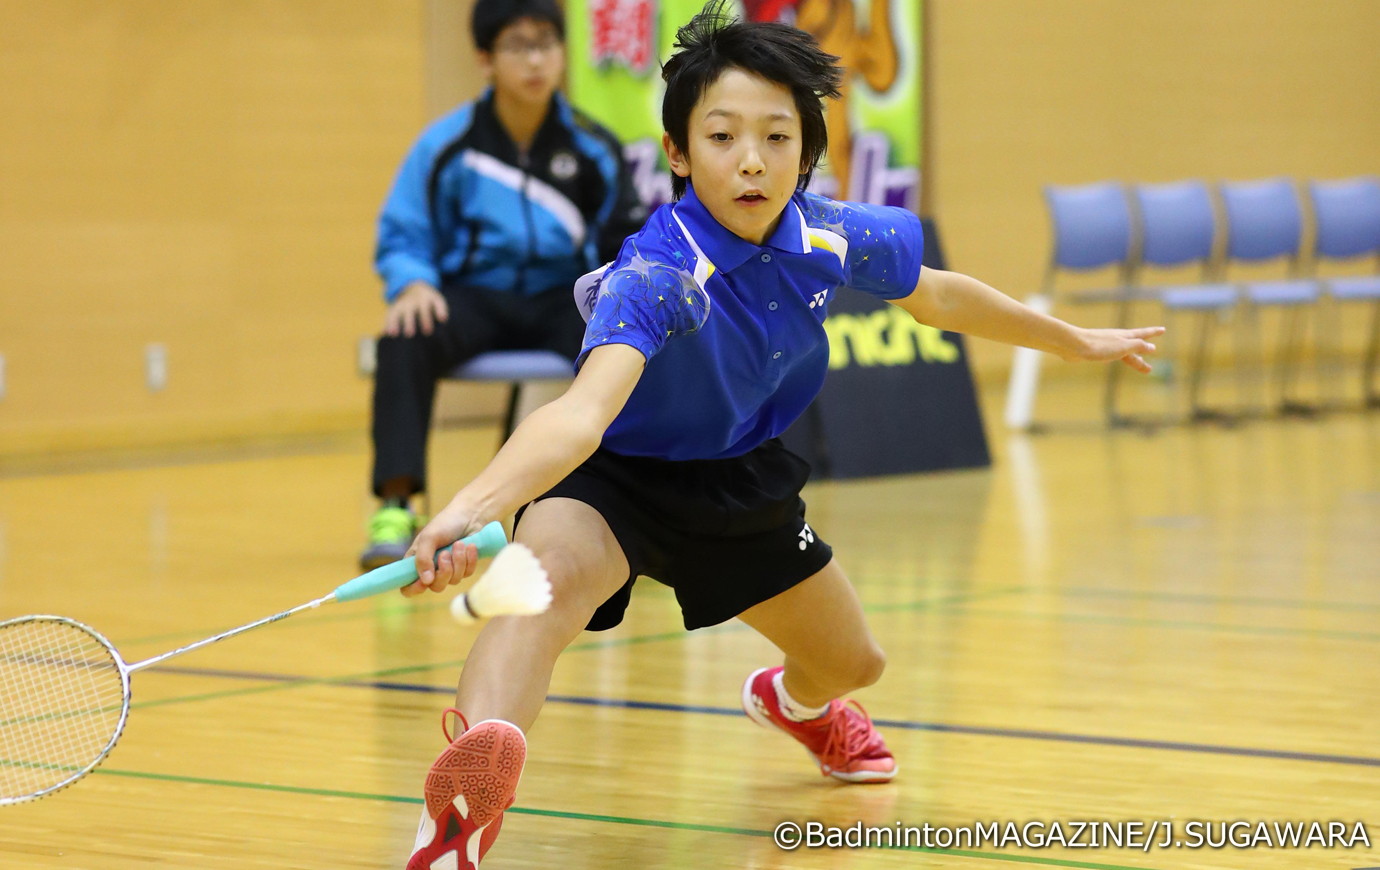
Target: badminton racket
[65, 691]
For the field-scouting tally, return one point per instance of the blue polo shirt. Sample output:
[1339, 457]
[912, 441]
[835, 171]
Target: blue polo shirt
[732, 331]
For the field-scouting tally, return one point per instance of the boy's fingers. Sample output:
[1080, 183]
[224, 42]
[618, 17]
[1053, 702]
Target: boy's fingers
[426, 568]
[445, 570]
[467, 559]
[1135, 361]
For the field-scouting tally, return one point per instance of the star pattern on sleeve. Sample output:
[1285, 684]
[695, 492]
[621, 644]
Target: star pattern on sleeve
[647, 298]
[876, 243]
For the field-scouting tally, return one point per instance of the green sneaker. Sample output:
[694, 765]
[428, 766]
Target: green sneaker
[391, 530]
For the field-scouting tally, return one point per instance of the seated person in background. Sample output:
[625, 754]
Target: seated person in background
[498, 208]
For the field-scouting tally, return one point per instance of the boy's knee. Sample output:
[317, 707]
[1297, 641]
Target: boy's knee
[875, 664]
[857, 670]
[870, 666]
[574, 584]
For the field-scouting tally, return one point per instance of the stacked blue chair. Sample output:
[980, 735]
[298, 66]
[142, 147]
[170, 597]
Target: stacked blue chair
[1265, 222]
[1347, 215]
[1092, 230]
[1179, 228]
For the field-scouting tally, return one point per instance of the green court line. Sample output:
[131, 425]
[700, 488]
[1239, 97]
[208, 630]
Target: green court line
[315, 619]
[1268, 630]
[584, 817]
[281, 685]
[1191, 598]
[658, 637]
[945, 600]
[360, 614]
[1271, 631]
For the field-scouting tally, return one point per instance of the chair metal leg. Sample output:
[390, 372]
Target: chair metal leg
[510, 416]
[1290, 361]
[1368, 385]
[1328, 364]
[1196, 364]
[1255, 380]
[1115, 419]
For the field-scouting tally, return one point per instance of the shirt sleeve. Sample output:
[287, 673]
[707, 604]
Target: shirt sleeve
[886, 245]
[406, 245]
[644, 304]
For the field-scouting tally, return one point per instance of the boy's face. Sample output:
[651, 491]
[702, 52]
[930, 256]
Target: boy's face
[527, 62]
[744, 153]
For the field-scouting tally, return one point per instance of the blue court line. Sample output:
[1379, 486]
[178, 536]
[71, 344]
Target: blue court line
[899, 724]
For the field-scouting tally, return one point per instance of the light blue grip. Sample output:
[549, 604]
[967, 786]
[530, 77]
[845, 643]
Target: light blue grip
[396, 575]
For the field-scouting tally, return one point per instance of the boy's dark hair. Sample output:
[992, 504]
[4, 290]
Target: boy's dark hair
[714, 42]
[491, 16]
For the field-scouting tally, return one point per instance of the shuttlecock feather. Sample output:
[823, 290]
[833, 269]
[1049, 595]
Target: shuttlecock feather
[515, 583]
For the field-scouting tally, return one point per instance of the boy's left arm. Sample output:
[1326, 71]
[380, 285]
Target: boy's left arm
[958, 303]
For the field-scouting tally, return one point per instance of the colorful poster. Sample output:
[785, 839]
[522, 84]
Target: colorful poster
[874, 130]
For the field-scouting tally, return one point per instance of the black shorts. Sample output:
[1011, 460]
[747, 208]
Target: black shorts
[725, 534]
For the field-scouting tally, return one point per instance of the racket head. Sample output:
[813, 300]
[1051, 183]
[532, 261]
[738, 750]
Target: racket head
[64, 701]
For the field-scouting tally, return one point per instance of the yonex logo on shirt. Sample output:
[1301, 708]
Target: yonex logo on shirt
[818, 301]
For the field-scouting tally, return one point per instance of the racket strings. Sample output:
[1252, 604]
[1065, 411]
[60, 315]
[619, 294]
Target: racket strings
[62, 700]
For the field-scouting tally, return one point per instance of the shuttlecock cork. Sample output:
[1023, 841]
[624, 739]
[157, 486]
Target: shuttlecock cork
[515, 583]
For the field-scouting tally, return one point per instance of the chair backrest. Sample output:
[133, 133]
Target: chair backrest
[1178, 223]
[1348, 217]
[1092, 225]
[1264, 220]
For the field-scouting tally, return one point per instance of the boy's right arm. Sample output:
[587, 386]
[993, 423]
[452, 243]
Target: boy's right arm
[405, 247]
[544, 448]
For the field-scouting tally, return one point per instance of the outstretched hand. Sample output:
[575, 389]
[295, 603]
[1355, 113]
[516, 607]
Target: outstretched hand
[1131, 346]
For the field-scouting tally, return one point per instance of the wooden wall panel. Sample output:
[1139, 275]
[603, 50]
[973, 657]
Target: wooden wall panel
[1024, 93]
[206, 174]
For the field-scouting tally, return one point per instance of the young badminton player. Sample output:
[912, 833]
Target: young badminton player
[704, 343]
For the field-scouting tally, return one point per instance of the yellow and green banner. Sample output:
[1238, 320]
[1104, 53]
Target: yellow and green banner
[616, 47]
[899, 397]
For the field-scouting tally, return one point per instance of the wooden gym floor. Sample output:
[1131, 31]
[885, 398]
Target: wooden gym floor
[1101, 627]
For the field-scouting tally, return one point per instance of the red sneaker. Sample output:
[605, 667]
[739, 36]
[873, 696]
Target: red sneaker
[467, 790]
[843, 740]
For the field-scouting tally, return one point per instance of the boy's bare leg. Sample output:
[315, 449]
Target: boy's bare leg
[508, 671]
[829, 651]
[819, 625]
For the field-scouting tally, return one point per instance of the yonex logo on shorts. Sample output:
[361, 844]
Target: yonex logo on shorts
[807, 536]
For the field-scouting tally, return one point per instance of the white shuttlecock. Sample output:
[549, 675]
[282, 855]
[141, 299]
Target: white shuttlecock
[515, 583]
